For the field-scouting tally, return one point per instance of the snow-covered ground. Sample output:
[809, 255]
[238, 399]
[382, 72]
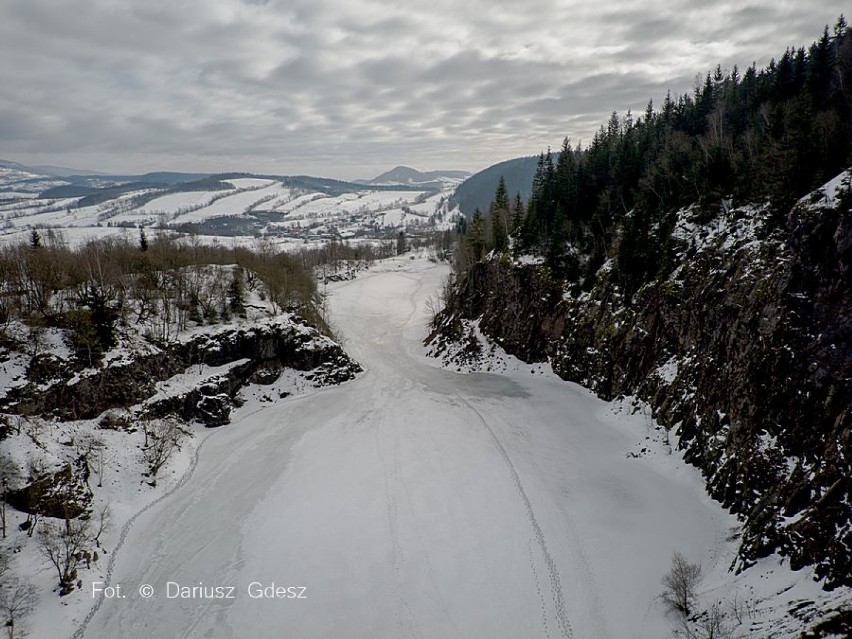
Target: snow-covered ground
[257, 207]
[420, 502]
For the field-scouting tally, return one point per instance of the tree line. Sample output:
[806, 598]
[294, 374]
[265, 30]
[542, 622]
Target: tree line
[766, 135]
[162, 283]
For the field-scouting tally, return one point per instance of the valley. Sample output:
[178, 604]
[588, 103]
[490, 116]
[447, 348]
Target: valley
[419, 502]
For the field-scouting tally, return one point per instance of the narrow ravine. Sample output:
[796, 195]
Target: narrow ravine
[414, 502]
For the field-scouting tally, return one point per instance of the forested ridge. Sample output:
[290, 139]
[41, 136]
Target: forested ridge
[697, 259]
[753, 136]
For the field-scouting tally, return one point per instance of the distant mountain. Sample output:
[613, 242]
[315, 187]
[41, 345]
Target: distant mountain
[24, 178]
[407, 175]
[167, 177]
[52, 171]
[478, 190]
[62, 171]
[158, 177]
[16, 166]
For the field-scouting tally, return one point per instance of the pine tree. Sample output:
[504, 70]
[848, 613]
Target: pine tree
[499, 214]
[236, 293]
[518, 214]
[475, 238]
[501, 196]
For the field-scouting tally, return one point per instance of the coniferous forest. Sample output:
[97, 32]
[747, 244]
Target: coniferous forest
[742, 136]
[691, 258]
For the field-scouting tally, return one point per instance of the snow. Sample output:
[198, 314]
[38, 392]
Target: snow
[827, 192]
[184, 382]
[416, 501]
[303, 215]
[236, 203]
[250, 183]
[535, 260]
[736, 228]
[174, 202]
[668, 371]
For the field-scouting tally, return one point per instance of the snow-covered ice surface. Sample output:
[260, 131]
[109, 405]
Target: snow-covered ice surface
[420, 502]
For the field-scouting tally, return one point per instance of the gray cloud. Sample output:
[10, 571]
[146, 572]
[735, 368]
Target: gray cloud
[350, 89]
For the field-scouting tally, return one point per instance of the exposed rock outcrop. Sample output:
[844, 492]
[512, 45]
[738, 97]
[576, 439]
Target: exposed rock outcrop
[743, 350]
[64, 494]
[267, 347]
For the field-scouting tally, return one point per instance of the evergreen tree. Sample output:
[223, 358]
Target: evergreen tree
[499, 214]
[766, 135]
[236, 293]
[501, 196]
[518, 214]
[476, 237]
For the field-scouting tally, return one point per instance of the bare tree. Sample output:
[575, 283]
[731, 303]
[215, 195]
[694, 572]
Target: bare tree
[100, 459]
[17, 600]
[433, 307]
[36, 466]
[162, 438]
[709, 624]
[90, 449]
[680, 584]
[104, 523]
[65, 547]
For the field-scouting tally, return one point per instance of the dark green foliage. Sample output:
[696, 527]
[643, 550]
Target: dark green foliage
[84, 338]
[518, 214]
[236, 293]
[765, 135]
[93, 323]
[499, 213]
[475, 238]
[476, 192]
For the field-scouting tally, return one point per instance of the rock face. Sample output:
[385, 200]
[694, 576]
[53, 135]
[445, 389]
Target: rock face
[267, 347]
[64, 494]
[744, 351]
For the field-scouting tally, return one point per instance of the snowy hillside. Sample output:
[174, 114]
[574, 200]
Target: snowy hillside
[737, 353]
[277, 209]
[85, 447]
[471, 505]
[412, 177]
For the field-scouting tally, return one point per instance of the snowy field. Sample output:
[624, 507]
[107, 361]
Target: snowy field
[420, 502]
[290, 213]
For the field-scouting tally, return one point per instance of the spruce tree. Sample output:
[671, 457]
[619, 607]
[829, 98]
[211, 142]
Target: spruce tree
[518, 214]
[499, 214]
[476, 238]
[236, 293]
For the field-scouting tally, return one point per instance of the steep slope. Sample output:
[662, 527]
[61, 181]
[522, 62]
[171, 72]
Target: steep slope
[476, 192]
[743, 352]
[442, 499]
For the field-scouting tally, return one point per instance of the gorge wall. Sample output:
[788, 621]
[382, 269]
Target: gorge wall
[742, 351]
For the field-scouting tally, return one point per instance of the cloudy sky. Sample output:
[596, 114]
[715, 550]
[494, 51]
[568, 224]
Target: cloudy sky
[350, 88]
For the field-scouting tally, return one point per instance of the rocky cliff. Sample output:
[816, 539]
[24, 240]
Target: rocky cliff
[742, 351]
[56, 388]
[56, 409]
